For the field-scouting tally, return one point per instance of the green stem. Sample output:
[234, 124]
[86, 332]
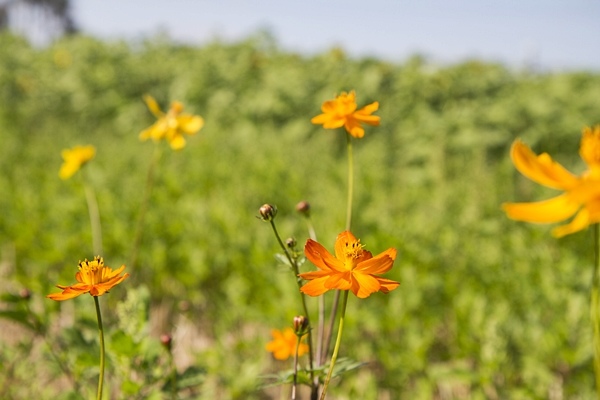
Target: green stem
[336, 349]
[294, 265]
[296, 367]
[94, 213]
[595, 309]
[173, 376]
[350, 182]
[101, 332]
[144, 206]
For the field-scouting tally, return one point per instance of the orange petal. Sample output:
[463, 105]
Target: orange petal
[318, 255]
[309, 276]
[315, 287]
[552, 210]
[367, 284]
[341, 281]
[379, 264]
[340, 244]
[387, 285]
[580, 222]
[541, 169]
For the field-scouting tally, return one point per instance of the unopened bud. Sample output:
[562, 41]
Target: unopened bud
[25, 294]
[267, 212]
[300, 325]
[166, 340]
[303, 208]
[290, 243]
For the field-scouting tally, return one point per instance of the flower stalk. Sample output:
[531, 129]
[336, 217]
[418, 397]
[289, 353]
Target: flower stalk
[336, 349]
[102, 351]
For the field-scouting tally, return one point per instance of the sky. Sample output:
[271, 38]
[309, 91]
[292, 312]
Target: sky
[548, 34]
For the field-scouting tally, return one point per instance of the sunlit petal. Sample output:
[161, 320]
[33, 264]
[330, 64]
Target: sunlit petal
[552, 210]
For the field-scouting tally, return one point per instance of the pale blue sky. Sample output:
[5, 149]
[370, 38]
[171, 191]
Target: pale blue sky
[550, 34]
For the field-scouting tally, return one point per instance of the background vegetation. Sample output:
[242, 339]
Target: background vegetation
[488, 307]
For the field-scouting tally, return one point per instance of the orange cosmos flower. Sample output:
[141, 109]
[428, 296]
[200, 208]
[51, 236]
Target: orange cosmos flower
[93, 277]
[74, 159]
[172, 125]
[283, 345]
[352, 268]
[581, 195]
[342, 112]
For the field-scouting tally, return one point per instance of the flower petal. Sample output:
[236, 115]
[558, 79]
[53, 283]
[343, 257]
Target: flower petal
[153, 106]
[580, 222]
[379, 264]
[541, 169]
[318, 255]
[190, 124]
[315, 287]
[552, 210]
[367, 284]
[387, 285]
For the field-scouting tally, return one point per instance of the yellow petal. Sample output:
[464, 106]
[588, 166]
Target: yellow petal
[153, 106]
[552, 210]
[190, 124]
[541, 169]
[580, 222]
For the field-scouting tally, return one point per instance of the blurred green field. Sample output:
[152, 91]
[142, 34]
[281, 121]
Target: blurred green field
[488, 308]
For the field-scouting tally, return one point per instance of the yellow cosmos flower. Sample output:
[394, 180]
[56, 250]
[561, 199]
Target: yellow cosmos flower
[93, 277]
[283, 345]
[581, 195]
[353, 268]
[74, 159]
[172, 125]
[341, 111]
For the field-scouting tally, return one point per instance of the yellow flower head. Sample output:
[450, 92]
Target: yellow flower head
[353, 268]
[341, 111]
[74, 159]
[93, 278]
[581, 195]
[172, 125]
[283, 345]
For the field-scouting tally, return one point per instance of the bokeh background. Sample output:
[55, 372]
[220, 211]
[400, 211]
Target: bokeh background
[488, 308]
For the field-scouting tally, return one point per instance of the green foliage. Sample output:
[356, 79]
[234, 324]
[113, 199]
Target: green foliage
[488, 308]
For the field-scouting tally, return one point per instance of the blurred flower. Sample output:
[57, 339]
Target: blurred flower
[93, 277]
[172, 125]
[283, 345]
[352, 268]
[341, 111]
[74, 159]
[581, 195]
[303, 208]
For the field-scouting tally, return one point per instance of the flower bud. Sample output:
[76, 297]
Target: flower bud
[267, 212]
[25, 294]
[290, 243]
[300, 325]
[303, 208]
[166, 340]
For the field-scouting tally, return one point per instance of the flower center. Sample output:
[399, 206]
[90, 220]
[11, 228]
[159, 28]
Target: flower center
[352, 253]
[91, 271]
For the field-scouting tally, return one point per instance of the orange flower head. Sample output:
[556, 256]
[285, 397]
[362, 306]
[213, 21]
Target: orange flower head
[353, 268]
[172, 125]
[581, 194]
[75, 158]
[283, 345]
[93, 278]
[341, 111]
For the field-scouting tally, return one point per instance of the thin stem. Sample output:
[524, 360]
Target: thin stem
[350, 182]
[294, 265]
[327, 339]
[336, 349]
[173, 376]
[595, 309]
[295, 368]
[144, 206]
[94, 213]
[101, 332]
